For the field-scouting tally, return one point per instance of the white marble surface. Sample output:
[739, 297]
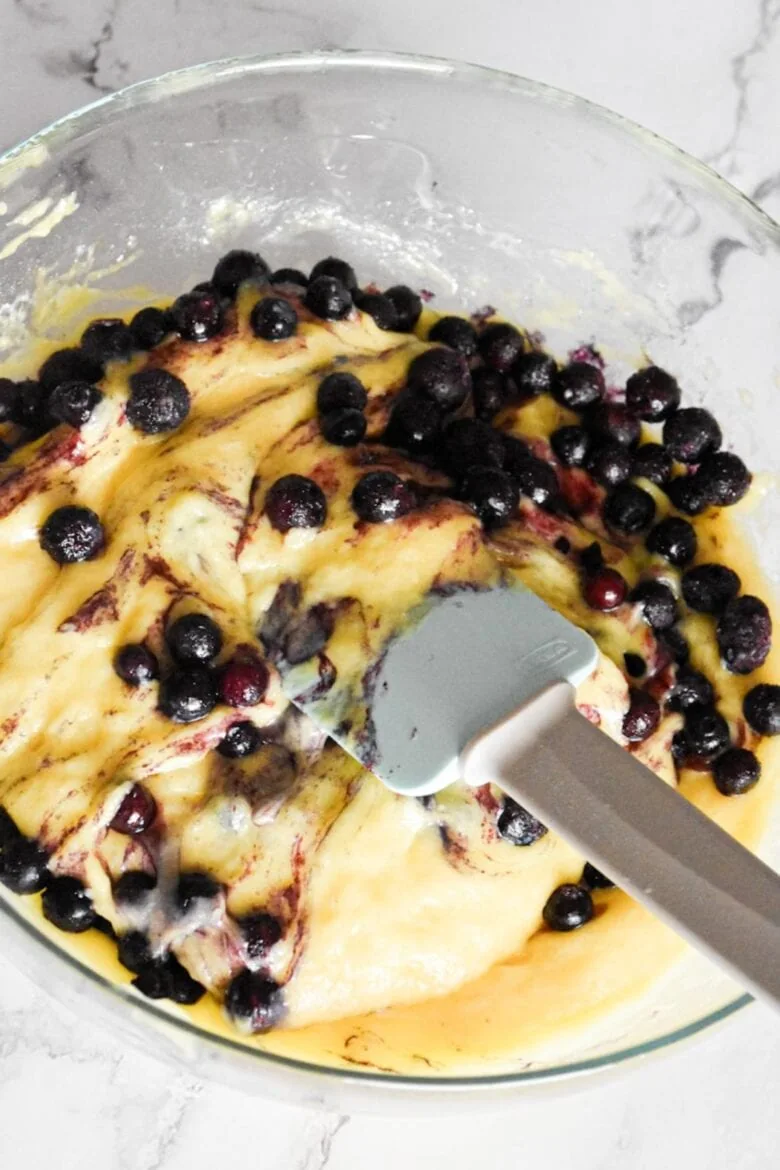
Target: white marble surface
[706, 74]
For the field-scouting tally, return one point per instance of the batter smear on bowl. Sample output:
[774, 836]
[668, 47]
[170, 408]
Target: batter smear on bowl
[264, 477]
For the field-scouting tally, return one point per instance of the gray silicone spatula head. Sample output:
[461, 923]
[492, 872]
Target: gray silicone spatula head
[462, 662]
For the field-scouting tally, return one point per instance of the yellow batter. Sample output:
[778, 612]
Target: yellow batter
[413, 937]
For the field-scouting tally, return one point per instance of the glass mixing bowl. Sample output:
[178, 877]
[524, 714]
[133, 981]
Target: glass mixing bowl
[481, 187]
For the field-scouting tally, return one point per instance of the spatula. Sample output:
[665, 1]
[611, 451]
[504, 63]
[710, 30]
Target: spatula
[480, 686]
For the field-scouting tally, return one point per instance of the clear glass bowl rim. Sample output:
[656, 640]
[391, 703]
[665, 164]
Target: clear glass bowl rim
[101, 113]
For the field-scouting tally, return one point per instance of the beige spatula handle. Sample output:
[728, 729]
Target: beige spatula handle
[646, 837]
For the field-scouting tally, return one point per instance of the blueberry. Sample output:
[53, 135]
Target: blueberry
[516, 825]
[500, 345]
[194, 887]
[260, 931]
[724, 478]
[72, 534]
[537, 480]
[634, 664]
[467, 442]
[642, 717]
[295, 502]
[652, 394]
[136, 665]
[568, 907]
[188, 695]
[605, 590]
[744, 634]
[615, 423]
[133, 951]
[309, 634]
[149, 327]
[675, 540]
[490, 391]
[761, 707]
[675, 644]
[736, 772]
[595, 879]
[197, 316]
[254, 1002]
[534, 374]
[106, 340]
[407, 305]
[706, 730]
[328, 299]
[23, 865]
[709, 588]
[67, 904]
[166, 978]
[337, 270]
[158, 402]
[273, 319]
[578, 386]
[235, 267]
[687, 494]
[690, 434]
[659, 605]
[290, 276]
[194, 639]
[136, 812]
[8, 829]
[608, 463]
[378, 307]
[414, 424]
[32, 407]
[9, 399]
[340, 390]
[591, 559]
[382, 496]
[457, 333]
[652, 461]
[69, 365]
[440, 374]
[680, 748]
[492, 493]
[240, 740]
[629, 509]
[133, 887]
[243, 684]
[343, 427]
[74, 402]
[691, 689]
[572, 445]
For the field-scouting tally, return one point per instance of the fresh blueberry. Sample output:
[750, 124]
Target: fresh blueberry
[652, 461]
[578, 386]
[254, 1002]
[273, 319]
[642, 717]
[674, 539]
[690, 434]
[572, 445]
[134, 887]
[635, 664]
[382, 496]
[260, 932]
[343, 427]
[517, 826]
[378, 307]
[67, 904]
[69, 365]
[652, 394]
[707, 731]
[415, 423]
[534, 374]
[149, 327]
[194, 639]
[309, 634]
[609, 463]
[197, 315]
[629, 509]
[691, 689]
[337, 270]
[595, 879]
[467, 442]
[614, 423]
[328, 299]
[736, 772]
[188, 695]
[290, 276]
[490, 391]
[535, 479]
[762, 708]
[340, 390]
[500, 345]
[72, 534]
[243, 684]
[440, 374]
[238, 266]
[687, 494]
[407, 305]
[136, 665]
[74, 402]
[136, 812]
[294, 501]
[724, 478]
[605, 590]
[492, 493]
[23, 865]
[568, 907]
[744, 634]
[158, 402]
[457, 333]
[194, 887]
[106, 340]
[709, 588]
[659, 605]
[240, 740]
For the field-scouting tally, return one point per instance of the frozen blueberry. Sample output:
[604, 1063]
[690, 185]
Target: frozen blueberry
[467, 442]
[516, 825]
[238, 266]
[736, 771]
[609, 463]
[197, 315]
[69, 365]
[534, 374]
[328, 299]
[74, 402]
[194, 887]
[260, 931]
[158, 402]
[9, 399]
[457, 333]
[572, 445]
[709, 588]
[652, 461]
[691, 689]
[294, 501]
[136, 812]
[652, 394]
[724, 478]
[134, 887]
[290, 276]
[415, 423]
[605, 590]
[642, 717]
[407, 304]
[675, 540]
[240, 740]
[135, 664]
[578, 386]
[535, 479]
[500, 345]
[107, 339]
[706, 730]
[194, 639]
[8, 830]
[629, 509]
[188, 695]
[67, 904]
[133, 950]
[23, 865]
[568, 907]
[492, 493]
[614, 423]
[149, 327]
[690, 434]
[343, 427]
[72, 534]
[381, 496]
[687, 494]
[243, 684]
[32, 407]
[440, 374]
[744, 634]
[635, 664]
[591, 558]
[675, 644]
[166, 978]
[273, 319]
[337, 270]
[659, 605]
[490, 392]
[595, 879]
[254, 1002]
[340, 390]
[762, 708]
[5, 451]
[378, 307]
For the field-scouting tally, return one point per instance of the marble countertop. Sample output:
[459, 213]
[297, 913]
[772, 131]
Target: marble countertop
[705, 74]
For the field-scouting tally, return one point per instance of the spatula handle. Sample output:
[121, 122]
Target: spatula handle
[646, 837]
